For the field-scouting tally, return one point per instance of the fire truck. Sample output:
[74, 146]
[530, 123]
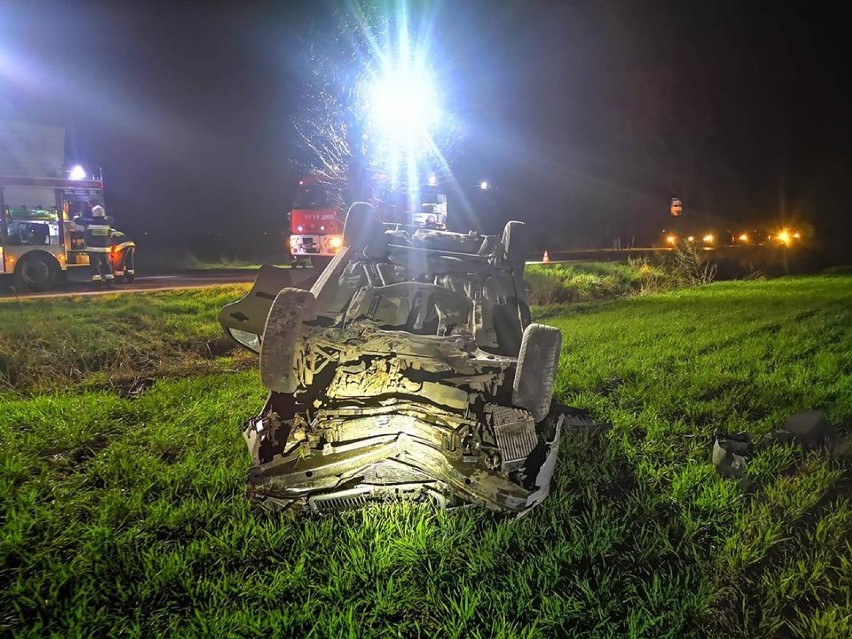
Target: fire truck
[39, 199]
[316, 219]
[316, 223]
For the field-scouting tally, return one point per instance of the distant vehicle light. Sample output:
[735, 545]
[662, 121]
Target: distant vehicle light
[671, 239]
[484, 185]
[709, 239]
[335, 241]
[77, 173]
[691, 238]
[743, 237]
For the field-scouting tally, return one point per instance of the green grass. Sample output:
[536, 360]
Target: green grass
[549, 284]
[124, 514]
[51, 343]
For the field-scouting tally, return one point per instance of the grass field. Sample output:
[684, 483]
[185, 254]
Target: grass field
[123, 512]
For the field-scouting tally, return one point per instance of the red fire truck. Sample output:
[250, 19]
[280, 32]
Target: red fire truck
[318, 213]
[316, 223]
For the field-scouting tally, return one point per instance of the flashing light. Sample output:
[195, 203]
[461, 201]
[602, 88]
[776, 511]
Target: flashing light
[403, 101]
[335, 241]
[77, 173]
[433, 180]
[709, 239]
[671, 239]
[300, 228]
[743, 237]
[691, 238]
[484, 185]
[322, 228]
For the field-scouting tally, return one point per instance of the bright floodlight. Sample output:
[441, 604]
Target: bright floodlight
[78, 173]
[403, 101]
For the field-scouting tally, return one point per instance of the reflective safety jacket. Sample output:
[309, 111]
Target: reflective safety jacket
[119, 241]
[97, 233]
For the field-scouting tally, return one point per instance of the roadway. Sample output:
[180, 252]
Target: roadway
[158, 282]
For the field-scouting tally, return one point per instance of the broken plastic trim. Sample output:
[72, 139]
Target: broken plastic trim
[247, 339]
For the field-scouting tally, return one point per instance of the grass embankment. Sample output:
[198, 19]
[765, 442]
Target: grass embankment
[125, 515]
[113, 339]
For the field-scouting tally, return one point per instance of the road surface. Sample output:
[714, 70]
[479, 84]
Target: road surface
[192, 279]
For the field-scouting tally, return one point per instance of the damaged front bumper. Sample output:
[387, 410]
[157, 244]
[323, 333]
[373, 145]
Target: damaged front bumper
[405, 458]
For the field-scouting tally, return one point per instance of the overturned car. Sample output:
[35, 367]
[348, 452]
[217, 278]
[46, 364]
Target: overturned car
[410, 370]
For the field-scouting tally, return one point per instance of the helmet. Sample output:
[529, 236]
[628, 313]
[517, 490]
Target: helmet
[98, 211]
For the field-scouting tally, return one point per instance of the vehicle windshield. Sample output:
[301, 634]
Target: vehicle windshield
[312, 197]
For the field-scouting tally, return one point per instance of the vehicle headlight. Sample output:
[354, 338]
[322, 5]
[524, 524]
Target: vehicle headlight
[249, 340]
[335, 241]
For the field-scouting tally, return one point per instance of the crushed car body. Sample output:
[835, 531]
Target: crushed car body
[410, 370]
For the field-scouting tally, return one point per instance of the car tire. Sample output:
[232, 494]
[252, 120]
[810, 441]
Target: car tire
[515, 243]
[291, 307]
[535, 375]
[37, 272]
[360, 221]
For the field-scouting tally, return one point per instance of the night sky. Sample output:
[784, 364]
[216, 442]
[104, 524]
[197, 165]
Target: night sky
[588, 116]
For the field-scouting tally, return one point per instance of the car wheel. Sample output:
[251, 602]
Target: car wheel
[515, 243]
[291, 307]
[535, 375]
[359, 223]
[37, 272]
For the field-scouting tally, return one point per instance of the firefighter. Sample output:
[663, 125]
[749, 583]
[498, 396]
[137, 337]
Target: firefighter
[123, 256]
[98, 244]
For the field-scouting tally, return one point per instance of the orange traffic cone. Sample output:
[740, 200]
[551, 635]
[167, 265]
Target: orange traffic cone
[545, 258]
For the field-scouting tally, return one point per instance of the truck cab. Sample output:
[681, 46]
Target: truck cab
[316, 223]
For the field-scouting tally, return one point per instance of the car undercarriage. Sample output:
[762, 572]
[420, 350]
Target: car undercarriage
[410, 371]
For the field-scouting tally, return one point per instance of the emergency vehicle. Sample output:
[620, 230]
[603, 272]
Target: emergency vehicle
[316, 219]
[39, 242]
[39, 199]
[316, 223]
